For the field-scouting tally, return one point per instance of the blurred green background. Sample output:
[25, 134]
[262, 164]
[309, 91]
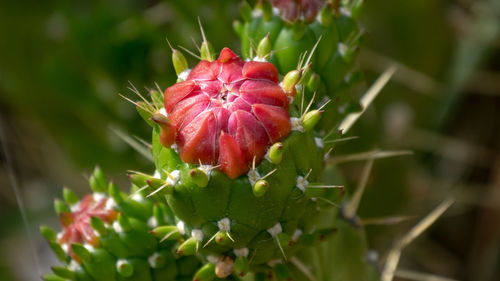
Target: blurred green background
[63, 64]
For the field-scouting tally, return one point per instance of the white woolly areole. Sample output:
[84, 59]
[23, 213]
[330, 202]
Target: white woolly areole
[181, 227]
[319, 142]
[157, 175]
[296, 234]
[256, 13]
[207, 169]
[163, 111]
[224, 224]
[73, 265]
[346, 12]
[119, 263]
[258, 59]
[110, 204]
[253, 176]
[75, 207]
[372, 256]
[152, 259]
[275, 230]
[242, 252]
[318, 18]
[273, 263]
[152, 222]
[302, 183]
[173, 177]
[98, 196]
[267, 154]
[65, 247]
[212, 259]
[298, 87]
[197, 234]
[117, 227]
[281, 84]
[296, 124]
[184, 75]
[137, 197]
[342, 49]
[175, 147]
[89, 248]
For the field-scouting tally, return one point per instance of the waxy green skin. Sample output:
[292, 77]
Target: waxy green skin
[250, 216]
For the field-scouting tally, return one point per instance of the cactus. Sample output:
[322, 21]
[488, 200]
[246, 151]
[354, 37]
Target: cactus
[239, 186]
[238, 161]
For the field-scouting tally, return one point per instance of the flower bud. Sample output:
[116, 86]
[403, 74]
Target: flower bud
[179, 62]
[310, 119]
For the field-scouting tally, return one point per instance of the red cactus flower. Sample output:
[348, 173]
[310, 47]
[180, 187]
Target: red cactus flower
[291, 10]
[76, 225]
[228, 112]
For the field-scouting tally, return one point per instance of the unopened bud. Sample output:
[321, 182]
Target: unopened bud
[124, 268]
[241, 266]
[222, 238]
[188, 247]
[310, 119]
[260, 188]
[264, 47]
[167, 232]
[199, 177]
[206, 51]
[291, 79]
[179, 61]
[205, 273]
[276, 153]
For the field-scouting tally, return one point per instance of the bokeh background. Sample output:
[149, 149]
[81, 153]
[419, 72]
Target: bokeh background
[63, 64]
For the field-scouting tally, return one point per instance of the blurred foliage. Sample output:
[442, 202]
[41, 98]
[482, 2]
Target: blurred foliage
[65, 62]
